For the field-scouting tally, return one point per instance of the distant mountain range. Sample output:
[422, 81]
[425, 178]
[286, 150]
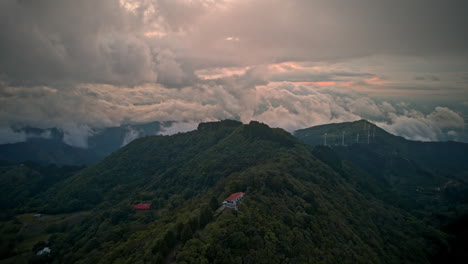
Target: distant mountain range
[46, 151]
[48, 146]
[302, 204]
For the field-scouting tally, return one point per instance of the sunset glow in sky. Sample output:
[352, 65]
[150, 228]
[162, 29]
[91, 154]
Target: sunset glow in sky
[82, 65]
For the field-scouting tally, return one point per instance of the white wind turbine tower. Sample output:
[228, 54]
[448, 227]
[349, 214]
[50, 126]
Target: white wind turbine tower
[368, 136]
[366, 129]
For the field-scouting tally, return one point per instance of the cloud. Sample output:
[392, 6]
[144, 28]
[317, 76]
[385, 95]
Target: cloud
[170, 72]
[76, 135]
[81, 65]
[463, 76]
[435, 126]
[444, 118]
[79, 41]
[328, 30]
[365, 107]
[131, 135]
[78, 111]
[178, 127]
[427, 77]
[107, 41]
[14, 135]
[7, 135]
[291, 106]
[308, 75]
[387, 107]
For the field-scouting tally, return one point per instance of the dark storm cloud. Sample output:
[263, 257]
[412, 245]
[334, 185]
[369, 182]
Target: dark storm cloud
[47, 41]
[427, 77]
[464, 76]
[83, 64]
[275, 31]
[100, 41]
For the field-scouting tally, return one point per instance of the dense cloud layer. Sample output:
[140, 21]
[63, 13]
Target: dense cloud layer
[107, 41]
[245, 97]
[79, 65]
[442, 123]
[49, 41]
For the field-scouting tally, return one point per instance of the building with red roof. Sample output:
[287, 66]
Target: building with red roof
[142, 206]
[233, 200]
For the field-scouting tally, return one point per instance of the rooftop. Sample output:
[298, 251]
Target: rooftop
[234, 196]
[142, 206]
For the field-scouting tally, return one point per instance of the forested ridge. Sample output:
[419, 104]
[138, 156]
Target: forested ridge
[303, 204]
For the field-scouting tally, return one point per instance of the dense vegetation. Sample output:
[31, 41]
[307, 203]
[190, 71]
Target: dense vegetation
[302, 205]
[20, 186]
[435, 173]
[46, 151]
[428, 179]
[21, 183]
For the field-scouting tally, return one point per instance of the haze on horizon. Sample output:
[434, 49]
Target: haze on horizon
[81, 65]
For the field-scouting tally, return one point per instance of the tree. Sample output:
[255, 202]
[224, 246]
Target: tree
[186, 233]
[205, 216]
[170, 238]
[214, 203]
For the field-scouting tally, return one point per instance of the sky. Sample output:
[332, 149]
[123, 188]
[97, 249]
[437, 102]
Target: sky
[84, 65]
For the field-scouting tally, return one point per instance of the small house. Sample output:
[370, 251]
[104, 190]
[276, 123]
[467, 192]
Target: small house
[233, 200]
[142, 206]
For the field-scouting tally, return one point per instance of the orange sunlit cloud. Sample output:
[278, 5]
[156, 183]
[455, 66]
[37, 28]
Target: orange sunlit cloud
[216, 73]
[376, 81]
[324, 83]
[285, 67]
[315, 83]
[155, 34]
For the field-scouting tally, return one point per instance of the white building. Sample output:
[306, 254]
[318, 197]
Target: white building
[233, 200]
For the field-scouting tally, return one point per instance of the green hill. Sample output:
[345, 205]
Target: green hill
[436, 173]
[302, 205]
[21, 182]
[362, 135]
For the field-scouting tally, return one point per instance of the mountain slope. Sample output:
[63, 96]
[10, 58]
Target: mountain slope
[110, 139]
[296, 210]
[49, 145]
[432, 174]
[46, 151]
[439, 155]
[21, 183]
[203, 156]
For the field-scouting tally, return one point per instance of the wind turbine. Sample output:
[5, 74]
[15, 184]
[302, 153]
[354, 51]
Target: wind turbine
[368, 136]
